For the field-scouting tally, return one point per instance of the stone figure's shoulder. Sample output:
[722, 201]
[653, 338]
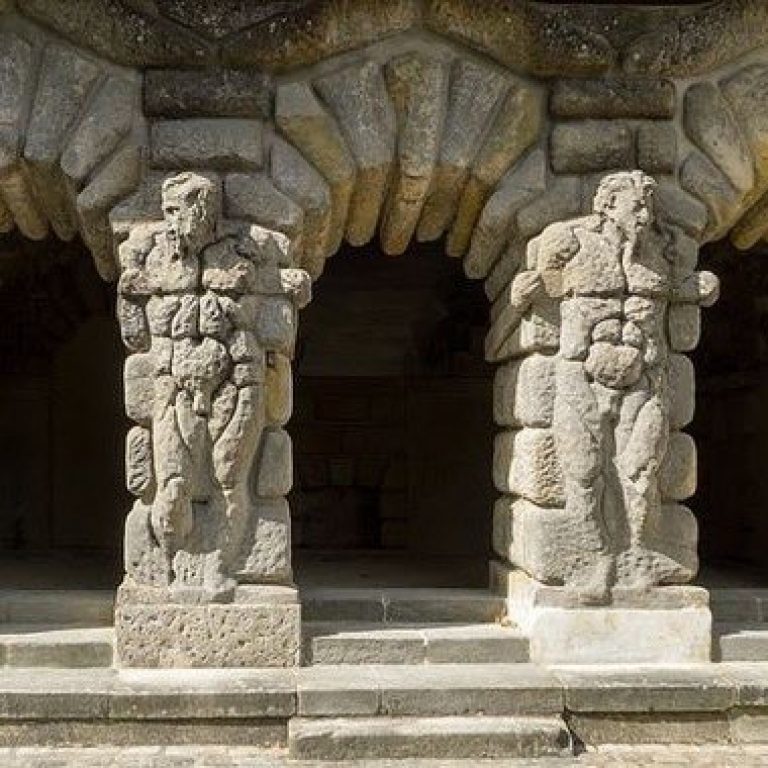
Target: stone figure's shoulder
[139, 243]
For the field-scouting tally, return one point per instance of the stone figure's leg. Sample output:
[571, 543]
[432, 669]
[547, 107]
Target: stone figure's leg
[580, 442]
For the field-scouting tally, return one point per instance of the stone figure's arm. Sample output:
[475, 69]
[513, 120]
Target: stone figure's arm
[518, 299]
[700, 288]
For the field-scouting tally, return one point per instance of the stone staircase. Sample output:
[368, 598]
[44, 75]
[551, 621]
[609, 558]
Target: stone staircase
[740, 631]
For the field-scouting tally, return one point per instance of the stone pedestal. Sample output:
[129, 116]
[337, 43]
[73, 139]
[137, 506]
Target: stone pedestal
[260, 628]
[661, 625]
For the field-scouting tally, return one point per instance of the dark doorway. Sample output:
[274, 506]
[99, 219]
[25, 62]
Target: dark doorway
[392, 430]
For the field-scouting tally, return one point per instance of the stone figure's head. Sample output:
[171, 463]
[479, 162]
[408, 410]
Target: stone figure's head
[626, 198]
[189, 210]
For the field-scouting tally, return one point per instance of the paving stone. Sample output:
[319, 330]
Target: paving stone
[220, 93]
[613, 97]
[347, 738]
[225, 144]
[741, 642]
[31, 646]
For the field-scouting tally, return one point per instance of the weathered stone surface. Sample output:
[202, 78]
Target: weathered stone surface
[524, 392]
[520, 184]
[226, 144]
[16, 63]
[266, 553]
[752, 226]
[23, 205]
[119, 176]
[591, 145]
[677, 480]
[656, 147]
[278, 389]
[515, 127]
[612, 98]
[255, 197]
[194, 301]
[299, 180]
[141, 41]
[219, 93]
[525, 464]
[561, 200]
[108, 119]
[682, 391]
[235, 635]
[700, 41]
[418, 87]
[475, 90]
[359, 99]
[65, 82]
[6, 218]
[684, 327]
[746, 93]
[682, 209]
[704, 180]
[304, 120]
[711, 126]
[275, 464]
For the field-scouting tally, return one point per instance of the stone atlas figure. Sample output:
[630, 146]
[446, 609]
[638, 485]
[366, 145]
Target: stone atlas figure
[610, 277]
[197, 310]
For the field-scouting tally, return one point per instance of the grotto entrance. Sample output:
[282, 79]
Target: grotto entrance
[392, 427]
[62, 497]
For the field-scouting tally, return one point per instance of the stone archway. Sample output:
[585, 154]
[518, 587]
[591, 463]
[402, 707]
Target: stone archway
[421, 120]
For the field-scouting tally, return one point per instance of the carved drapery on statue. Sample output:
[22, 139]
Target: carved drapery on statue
[207, 309]
[595, 322]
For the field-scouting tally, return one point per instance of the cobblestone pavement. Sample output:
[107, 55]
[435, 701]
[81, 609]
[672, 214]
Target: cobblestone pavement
[243, 757]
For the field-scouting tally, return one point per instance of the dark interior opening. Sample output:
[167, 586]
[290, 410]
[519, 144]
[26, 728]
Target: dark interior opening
[731, 421]
[392, 427]
[62, 489]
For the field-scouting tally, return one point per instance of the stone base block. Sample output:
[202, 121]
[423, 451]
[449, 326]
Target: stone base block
[662, 625]
[261, 628]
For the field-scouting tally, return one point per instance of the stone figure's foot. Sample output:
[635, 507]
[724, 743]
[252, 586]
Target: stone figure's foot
[592, 583]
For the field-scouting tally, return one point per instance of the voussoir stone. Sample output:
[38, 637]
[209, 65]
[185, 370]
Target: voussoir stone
[747, 94]
[275, 475]
[656, 142]
[16, 59]
[225, 144]
[711, 126]
[359, 99]
[475, 90]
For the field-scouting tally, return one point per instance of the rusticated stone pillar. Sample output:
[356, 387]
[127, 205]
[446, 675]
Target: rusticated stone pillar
[593, 392]
[207, 310]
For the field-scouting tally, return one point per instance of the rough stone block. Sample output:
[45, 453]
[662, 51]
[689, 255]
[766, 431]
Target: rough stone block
[684, 327]
[225, 144]
[524, 392]
[525, 463]
[266, 553]
[163, 634]
[682, 385]
[612, 97]
[561, 201]
[275, 474]
[683, 209]
[591, 145]
[677, 480]
[656, 147]
[278, 389]
[195, 93]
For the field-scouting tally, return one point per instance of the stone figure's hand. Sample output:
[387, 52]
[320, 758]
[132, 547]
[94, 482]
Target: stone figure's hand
[700, 288]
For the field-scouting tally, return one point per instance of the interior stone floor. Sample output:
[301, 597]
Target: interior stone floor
[94, 570]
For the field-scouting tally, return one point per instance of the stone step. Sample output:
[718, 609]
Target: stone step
[740, 642]
[360, 738]
[82, 607]
[427, 690]
[401, 605]
[38, 645]
[374, 643]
